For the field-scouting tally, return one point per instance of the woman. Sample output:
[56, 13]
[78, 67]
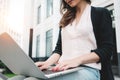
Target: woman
[86, 36]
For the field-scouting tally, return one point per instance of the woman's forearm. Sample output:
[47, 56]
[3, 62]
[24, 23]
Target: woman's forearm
[53, 59]
[84, 59]
[88, 58]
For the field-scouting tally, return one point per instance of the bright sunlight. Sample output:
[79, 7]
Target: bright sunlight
[15, 18]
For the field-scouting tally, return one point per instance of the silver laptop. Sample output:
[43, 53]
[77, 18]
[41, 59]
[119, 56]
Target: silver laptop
[19, 63]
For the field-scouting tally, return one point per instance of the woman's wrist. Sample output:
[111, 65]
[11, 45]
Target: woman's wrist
[78, 60]
[53, 59]
[47, 62]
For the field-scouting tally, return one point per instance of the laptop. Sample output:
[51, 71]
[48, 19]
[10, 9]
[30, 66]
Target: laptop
[19, 63]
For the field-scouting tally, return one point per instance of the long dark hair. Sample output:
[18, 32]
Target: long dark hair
[68, 13]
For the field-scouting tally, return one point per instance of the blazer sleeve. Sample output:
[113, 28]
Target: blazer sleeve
[104, 37]
[58, 48]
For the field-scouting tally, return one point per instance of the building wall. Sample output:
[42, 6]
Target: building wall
[10, 7]
[28, 24]
[102, 3]
[4, 26]
[117, 23]
[47, 23]
[4, 5]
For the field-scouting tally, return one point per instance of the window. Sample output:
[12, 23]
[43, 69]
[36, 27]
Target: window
[39, 15]
[38, 46]
[49, 7]
[49, 42]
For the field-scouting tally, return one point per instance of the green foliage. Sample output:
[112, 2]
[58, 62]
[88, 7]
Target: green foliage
[9, 75]
[3, 66]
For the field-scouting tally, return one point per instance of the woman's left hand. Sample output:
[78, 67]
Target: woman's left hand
[63, 65]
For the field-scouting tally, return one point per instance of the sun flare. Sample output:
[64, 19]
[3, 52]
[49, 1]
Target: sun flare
[15, 18]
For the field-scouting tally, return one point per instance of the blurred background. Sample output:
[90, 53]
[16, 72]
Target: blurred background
[34, 25]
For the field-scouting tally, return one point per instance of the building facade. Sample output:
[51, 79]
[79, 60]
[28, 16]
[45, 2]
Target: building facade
[4, 5]
[16, 18]
[46, 26]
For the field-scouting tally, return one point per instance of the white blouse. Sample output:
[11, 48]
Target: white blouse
[79, 39]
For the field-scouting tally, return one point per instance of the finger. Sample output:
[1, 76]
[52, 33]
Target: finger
[39, 63]
[43, 67]
[58, 67]
[55, 68]
[66, 67]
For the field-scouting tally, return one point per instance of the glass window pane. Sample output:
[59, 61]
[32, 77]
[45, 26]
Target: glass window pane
[49, 42]
[39, 15]
[49, 7]
[38, 46]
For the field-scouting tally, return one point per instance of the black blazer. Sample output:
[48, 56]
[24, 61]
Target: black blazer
[102, 27]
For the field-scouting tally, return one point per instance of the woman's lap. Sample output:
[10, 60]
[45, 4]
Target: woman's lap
[83, 74]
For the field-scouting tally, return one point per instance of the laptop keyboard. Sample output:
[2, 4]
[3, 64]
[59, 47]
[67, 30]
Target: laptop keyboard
[49, 71]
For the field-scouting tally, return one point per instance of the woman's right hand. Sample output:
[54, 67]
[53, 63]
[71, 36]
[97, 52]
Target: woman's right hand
[42, 65]
[50, 61]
